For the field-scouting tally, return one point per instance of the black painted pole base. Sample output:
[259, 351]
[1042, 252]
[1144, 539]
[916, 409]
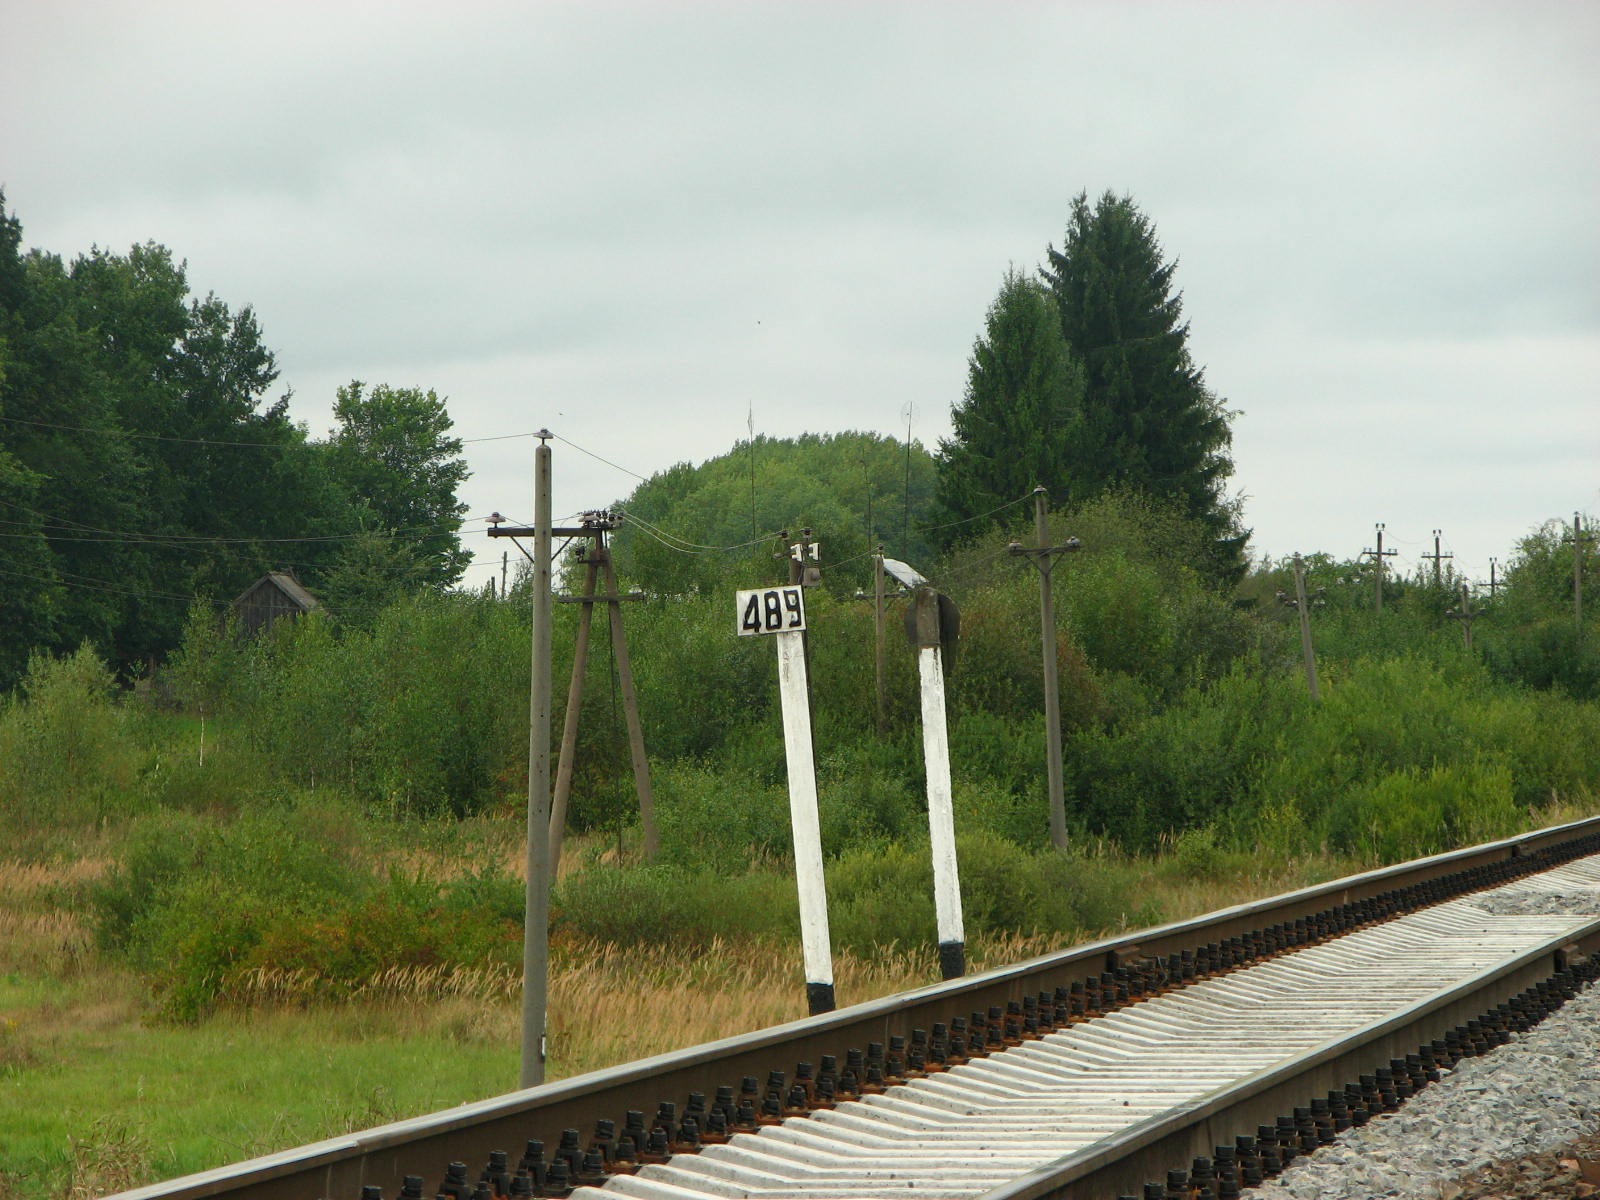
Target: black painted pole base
[820, 997]
[953, 959]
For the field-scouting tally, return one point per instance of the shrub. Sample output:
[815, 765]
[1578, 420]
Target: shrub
[66, 755]
[1183, 767]
[1021, 817]
[882, 895]
[669, 905]
[1552, 653]
[1412, 813]
[718, 820]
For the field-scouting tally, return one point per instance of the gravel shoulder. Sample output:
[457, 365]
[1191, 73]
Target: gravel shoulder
[1522, 1121]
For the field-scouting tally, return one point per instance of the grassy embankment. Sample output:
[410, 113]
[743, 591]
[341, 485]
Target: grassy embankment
[99, 1093]
[302, 915]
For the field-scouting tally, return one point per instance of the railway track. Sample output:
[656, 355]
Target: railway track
[1183, 1061]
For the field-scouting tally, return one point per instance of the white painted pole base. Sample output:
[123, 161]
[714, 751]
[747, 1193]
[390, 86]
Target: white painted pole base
[801, 761]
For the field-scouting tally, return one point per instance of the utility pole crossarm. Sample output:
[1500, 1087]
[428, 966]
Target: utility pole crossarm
[559, 531]
[1043, 557]
[1437, 557]
[1377, 557]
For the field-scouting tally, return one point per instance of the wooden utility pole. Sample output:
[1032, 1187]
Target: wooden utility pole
[1494, 582]
[1377, 557]
[802, 550]
[1578, 538]
[1464, 614]
[1043, 557]
[536, 924]
[878, 662]
[596, 558]
[569, 727]
[630, 709]
[1437, 559]
[1300, 602]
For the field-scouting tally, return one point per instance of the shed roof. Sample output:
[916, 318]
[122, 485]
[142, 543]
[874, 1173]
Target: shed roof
[284, 583]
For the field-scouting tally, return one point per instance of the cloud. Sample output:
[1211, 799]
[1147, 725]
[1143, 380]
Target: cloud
[632, 222]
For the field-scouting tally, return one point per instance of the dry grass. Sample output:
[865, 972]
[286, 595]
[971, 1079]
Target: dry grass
[37, 931]
[112, 1158]
[611, 1004]
[402, 984]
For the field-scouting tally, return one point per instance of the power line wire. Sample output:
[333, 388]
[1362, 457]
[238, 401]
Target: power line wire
[598, 458]
[104, 431]
[684, 543]
[979, 517]
[181, 540]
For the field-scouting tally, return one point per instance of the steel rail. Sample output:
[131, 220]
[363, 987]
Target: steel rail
[1114, 1097]
[338, 1168]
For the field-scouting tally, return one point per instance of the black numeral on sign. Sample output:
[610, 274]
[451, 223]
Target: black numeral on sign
[772, 610]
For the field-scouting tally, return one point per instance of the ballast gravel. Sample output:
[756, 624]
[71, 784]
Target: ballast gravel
[1522, 1121]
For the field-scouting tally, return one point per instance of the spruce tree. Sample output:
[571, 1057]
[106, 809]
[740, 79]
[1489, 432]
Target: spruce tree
[1019, 424]
[1149, 420]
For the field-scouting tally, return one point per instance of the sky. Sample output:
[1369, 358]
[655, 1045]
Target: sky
[648, 227]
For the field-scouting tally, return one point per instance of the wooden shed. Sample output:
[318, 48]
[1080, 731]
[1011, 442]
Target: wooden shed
[274, 596]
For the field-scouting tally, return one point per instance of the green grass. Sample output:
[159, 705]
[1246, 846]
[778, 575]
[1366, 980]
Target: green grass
[93, 1099]
[98, 1093]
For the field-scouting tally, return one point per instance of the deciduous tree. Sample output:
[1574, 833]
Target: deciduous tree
[394, 455]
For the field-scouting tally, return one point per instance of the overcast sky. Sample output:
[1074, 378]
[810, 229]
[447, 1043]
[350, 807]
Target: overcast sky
[636, 224]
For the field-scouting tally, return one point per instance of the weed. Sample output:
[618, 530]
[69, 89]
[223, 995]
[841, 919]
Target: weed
[113, 1157]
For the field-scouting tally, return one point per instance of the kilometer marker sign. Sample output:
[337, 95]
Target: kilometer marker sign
[781, 611]
[771, 610]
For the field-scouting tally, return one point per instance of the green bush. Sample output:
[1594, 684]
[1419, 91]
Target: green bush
[669, 905]
[1187, 765]
[1412, 813]
[717, 820]
[424, 712]
[1118, 613]
[162, 852]
[867, 792]
[66, 753]
[881, 895]
[295, 888]
[1020, 817]
[1552, 653]
[699, 684]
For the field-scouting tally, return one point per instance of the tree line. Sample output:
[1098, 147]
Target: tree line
[144, 463]
[1081, 382]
